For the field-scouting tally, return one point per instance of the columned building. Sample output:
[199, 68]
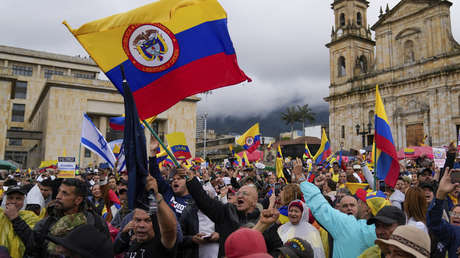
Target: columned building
[414, 59]
[42, 100]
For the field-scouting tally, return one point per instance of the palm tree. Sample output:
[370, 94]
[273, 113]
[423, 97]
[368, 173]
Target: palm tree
[290, 117]
[305, 114]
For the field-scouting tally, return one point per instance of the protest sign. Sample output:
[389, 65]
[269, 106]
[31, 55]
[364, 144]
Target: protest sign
[66, 167]
[439, 156]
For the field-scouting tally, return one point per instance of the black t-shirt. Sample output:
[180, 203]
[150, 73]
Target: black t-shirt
[152, 248]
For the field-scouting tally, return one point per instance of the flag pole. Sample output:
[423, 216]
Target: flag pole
[375, 166]
[148, 126]
[161, 142]
[79, 156]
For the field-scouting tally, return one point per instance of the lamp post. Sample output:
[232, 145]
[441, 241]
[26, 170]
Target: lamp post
[205, 116]
[364, 132]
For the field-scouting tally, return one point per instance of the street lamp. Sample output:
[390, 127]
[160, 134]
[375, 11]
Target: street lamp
[364, 132]
[204, 116]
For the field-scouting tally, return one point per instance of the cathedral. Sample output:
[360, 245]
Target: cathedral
[414, 59]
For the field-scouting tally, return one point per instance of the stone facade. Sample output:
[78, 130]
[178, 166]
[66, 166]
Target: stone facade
[414, 59]
[59, 89]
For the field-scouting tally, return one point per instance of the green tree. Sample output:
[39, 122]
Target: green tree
[305, 114]
[290, 117]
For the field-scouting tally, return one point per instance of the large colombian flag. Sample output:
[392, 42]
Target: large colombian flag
[170, 49]
[387, 160]
[324, 150]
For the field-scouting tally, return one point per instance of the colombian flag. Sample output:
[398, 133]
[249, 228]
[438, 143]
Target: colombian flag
[238, 161]
[117, 123]
[307, 152]
[324, 150]
[250, 140]
[230, 147]
[170, 49]
[246, 160]
[279, 163]
[178, 145]
[387, 167]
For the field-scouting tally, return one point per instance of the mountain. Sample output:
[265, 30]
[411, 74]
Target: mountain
[270, 124]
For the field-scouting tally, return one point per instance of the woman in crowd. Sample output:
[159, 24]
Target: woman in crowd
[298, 226]
[289, 193]
[415, 207]
[97, 199]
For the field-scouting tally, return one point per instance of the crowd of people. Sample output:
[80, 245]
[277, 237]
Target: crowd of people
[231, 211]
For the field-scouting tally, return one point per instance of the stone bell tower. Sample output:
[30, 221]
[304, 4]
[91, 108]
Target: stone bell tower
[351, 48]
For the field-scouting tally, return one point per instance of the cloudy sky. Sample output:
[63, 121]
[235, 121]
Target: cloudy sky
[280, 44]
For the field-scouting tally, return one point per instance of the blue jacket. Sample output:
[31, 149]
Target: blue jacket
[177, 203]
[351, 236]
[448, 234]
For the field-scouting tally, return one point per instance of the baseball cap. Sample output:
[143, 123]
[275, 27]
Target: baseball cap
[424, 170]
[297, 248]
[16, 189]
[427, 185]
[86, 241]
[388, 215]
[246, 242]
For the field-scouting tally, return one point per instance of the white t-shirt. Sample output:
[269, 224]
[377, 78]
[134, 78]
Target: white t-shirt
[417, 224]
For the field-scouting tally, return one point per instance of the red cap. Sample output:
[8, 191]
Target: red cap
[361, 194]
[246, 242]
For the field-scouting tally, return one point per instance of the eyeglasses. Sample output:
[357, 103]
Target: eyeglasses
[454, 215]
[242, 193]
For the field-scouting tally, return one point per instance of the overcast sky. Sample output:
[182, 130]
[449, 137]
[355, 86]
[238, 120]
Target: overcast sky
[279, 44]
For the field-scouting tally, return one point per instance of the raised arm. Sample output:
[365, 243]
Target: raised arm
[154, 170]
[435, 222]
[166, 218]
[338, 224]
[212, 208]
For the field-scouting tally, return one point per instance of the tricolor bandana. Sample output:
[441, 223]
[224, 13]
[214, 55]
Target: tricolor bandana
[376, 201]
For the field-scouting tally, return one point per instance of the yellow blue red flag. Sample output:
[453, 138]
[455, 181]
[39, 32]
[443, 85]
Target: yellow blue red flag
[170, 49]
[250, 140]
[178, 145]
[279, 163]
[246, 160]
[307, 152]
[387, 166]
[324, 150]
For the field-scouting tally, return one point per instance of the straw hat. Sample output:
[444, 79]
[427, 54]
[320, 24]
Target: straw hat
[409, 239]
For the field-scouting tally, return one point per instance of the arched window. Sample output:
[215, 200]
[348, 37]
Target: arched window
[362, 62]
[409, 55]
[342, 19]
[341, 66]
[371, 117]
[359, 19]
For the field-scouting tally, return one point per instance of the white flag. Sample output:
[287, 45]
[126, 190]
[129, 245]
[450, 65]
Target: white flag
[92, 139]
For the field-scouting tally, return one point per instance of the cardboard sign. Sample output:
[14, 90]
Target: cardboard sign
[439, 156]
[66, 167]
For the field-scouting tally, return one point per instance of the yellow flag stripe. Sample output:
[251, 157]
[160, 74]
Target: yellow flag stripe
[176, 15]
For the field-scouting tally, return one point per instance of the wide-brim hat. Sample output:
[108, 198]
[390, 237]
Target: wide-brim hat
[409, 239]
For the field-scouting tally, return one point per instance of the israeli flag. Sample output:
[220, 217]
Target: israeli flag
[92, 139]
